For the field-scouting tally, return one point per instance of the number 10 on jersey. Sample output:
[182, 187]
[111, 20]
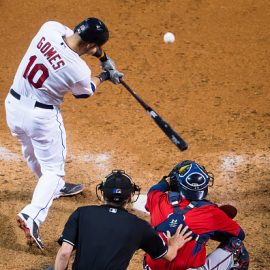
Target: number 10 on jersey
[37, 71]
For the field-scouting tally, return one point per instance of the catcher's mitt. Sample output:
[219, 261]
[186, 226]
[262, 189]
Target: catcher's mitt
[229, 210]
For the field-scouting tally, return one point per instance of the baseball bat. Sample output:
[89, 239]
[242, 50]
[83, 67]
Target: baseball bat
[163, 125]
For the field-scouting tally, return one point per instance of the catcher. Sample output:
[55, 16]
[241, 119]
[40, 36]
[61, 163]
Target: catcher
[106, 236]
[182, 201]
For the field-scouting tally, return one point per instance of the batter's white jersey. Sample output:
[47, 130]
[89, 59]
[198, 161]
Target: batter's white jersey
[50, 69]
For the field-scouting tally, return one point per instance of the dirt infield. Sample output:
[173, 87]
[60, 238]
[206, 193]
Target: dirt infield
[211, 85]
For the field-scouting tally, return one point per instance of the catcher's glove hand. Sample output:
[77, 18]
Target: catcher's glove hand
[229, 210]
[174, 185]
[165, 182]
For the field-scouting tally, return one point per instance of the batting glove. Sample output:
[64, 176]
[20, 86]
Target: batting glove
[115, 76]
[104, 76]
[109, 65]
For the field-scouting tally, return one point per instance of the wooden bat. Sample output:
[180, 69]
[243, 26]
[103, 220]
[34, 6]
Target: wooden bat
[163, 125]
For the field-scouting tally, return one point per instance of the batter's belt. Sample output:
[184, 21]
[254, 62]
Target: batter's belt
[37, 104]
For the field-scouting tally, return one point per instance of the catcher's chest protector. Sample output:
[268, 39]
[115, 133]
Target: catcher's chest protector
[173, 221]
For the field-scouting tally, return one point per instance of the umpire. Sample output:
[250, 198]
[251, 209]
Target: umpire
[106, 236]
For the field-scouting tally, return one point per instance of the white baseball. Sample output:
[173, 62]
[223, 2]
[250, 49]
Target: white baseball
[169, 37]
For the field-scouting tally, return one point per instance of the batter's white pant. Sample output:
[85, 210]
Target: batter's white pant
[219, 259]
[42, 136]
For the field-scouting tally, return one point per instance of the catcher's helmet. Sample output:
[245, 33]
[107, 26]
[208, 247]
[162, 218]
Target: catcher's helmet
[191, 179]
[93, 30]
[117, 187]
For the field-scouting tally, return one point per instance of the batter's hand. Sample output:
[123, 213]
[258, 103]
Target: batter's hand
[115, 75]
[109, 65]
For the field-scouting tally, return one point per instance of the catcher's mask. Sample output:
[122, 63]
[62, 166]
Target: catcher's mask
[93, 30]
[117, 187]
[191, 180]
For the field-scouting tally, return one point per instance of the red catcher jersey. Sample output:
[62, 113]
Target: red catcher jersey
[49, 68]
[200, 220]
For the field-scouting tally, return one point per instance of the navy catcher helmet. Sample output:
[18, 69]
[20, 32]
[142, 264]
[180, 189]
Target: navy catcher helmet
[191, 180]
[93, 30]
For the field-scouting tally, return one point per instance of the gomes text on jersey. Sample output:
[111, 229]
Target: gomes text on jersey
[50, 53]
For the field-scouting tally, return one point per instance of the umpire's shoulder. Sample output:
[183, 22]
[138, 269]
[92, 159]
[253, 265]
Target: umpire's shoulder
[137, 220]
[86, 208]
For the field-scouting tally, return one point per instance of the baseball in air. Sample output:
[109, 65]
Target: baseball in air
[169, 37]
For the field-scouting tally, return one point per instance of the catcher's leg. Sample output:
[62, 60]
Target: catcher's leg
[230, 255]
[219, 259]
[240, 254]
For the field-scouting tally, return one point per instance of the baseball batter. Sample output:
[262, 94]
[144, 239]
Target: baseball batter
[50, 68]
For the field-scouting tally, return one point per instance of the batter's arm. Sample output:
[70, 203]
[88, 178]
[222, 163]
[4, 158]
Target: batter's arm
[95, 82]
[107, 64]
[102, 77]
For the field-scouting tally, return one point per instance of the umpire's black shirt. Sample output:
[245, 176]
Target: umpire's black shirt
[106, 237]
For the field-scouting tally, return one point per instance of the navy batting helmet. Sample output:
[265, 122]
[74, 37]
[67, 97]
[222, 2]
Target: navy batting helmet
[191, 179]
[93, 30]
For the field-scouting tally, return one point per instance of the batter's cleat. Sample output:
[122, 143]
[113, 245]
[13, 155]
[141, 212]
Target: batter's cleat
[30, 228]
[69, 190]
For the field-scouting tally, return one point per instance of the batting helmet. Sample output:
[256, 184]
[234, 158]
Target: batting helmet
[93, 30]
[191, 179]
[117, 187]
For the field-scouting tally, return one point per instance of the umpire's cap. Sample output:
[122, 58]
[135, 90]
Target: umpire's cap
[93, 30]
[118, 187]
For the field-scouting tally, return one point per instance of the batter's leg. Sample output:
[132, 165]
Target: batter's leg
[16, 115]
[43, 138]
[48, 184]
[35, 213]
[29, 154]
[48, 138]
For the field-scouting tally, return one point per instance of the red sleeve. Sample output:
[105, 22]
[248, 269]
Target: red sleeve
[225, 223]
[211, 218]
[158, 206]
[153, 198]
